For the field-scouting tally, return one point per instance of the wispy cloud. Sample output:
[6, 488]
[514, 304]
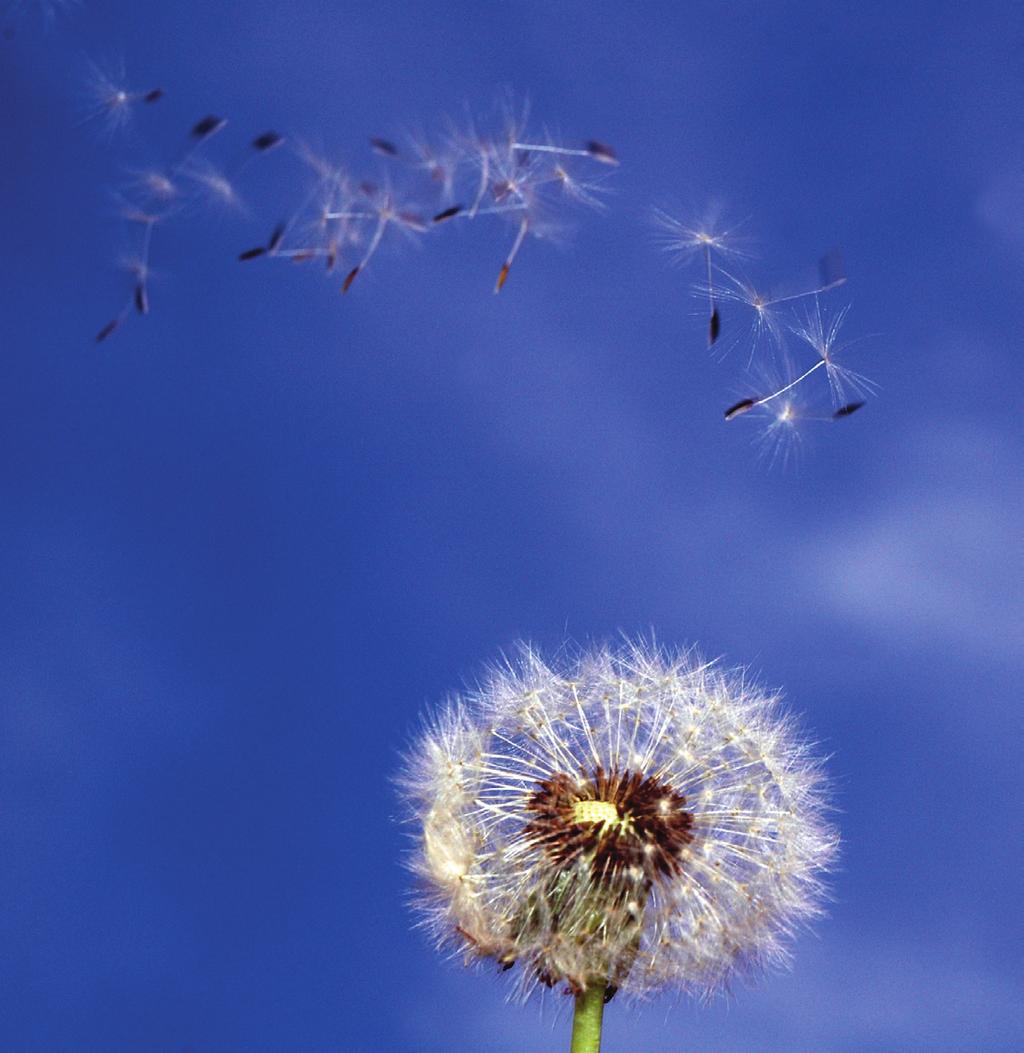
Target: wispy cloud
[932, 563]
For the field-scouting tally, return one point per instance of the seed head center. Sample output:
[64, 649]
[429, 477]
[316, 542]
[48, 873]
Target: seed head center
[595, 812]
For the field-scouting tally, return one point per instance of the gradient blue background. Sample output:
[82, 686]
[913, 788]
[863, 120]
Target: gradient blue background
[246, 542]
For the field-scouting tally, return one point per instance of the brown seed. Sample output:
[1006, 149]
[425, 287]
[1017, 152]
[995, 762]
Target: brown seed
[602, 152]
[740, 408]
[452, 210]
[714, 327]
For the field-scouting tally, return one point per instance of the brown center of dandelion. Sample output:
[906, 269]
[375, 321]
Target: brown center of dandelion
[620, 821]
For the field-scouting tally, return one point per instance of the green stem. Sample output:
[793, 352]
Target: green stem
[586, 1021]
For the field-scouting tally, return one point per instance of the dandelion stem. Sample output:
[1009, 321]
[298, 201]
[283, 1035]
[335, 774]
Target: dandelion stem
[586, 1020]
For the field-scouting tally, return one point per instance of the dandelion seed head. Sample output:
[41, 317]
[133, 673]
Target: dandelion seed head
[632, 817]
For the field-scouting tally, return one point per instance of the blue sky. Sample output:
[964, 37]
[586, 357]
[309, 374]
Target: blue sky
[248, 540]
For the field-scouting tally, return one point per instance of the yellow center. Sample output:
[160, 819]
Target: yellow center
[595, 812]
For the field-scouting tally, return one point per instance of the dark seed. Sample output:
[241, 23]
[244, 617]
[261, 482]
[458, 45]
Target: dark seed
[207, 126]
[739, 408]
[714, 327]
[845, 411]
[267, 141]
[602, 152]
[447, 213]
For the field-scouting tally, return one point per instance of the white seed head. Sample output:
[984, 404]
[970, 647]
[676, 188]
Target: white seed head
[633, 818]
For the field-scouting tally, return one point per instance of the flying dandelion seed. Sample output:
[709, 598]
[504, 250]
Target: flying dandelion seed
[684, 240]
[634, 820]
[111, 100]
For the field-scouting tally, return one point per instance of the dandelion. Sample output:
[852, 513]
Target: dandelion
[634, 820]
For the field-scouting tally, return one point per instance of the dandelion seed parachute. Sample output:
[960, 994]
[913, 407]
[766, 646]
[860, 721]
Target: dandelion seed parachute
[634, 820]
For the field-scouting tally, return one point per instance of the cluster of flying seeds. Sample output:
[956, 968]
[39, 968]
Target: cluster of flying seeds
[342, 220]
[778, 329]
[153, 195]
[635, 820]
[466, 174]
